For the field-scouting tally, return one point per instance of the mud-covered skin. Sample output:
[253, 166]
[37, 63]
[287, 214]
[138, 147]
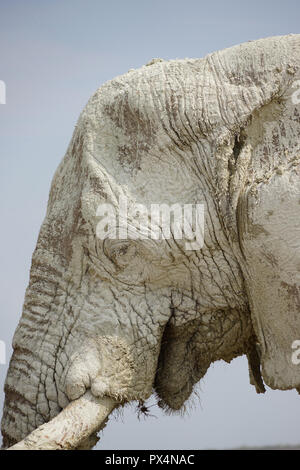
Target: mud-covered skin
[124, 316]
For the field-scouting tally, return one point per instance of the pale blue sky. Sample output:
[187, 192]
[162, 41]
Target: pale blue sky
[53, 55]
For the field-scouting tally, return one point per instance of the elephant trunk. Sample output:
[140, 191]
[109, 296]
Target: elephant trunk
[63, 347]
[33, 393]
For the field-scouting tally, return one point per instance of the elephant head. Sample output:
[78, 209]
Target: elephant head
[125, 316]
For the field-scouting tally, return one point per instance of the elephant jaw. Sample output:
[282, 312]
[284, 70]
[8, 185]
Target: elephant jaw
[188, 350]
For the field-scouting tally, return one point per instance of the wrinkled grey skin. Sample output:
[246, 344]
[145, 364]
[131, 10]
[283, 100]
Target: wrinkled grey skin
[124, 317]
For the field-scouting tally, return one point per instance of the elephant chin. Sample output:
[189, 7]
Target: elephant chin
[188, 350]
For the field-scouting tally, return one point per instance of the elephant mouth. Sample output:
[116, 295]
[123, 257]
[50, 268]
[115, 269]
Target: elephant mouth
[188, 350]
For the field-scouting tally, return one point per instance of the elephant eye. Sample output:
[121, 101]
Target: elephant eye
[119, 252]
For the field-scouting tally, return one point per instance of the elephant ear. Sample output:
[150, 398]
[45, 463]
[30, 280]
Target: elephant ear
[254, 369]
[269, 239]
[249, 85]
[268, 215]
[257, 140]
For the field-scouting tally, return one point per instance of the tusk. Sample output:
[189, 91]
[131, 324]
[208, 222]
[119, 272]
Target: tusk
[73, 425]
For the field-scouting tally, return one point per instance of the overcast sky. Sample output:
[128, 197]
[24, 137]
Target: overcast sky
[53, 55]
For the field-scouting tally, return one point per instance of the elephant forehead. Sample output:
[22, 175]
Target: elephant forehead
[190, 98]
[148, 91]
[134, 130]
[149, 100]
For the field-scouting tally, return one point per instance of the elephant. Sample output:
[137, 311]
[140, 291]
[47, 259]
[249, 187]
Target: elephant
[113, 319]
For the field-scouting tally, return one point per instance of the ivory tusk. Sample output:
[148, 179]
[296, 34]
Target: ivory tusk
[74, 424]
